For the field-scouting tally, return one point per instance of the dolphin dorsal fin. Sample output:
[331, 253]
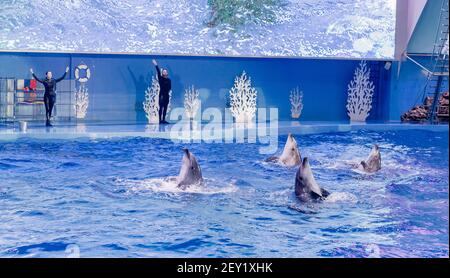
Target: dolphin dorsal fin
[312, 184]
[315, 187]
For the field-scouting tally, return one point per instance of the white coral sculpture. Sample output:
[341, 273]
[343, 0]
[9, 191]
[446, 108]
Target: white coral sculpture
[243, 99]
[360, 93]
[191, 102]
[81, 102]
[151, 102]
[296, 98]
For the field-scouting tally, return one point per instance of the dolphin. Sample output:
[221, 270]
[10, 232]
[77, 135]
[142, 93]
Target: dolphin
[290, 156]
[190, 172]
[373, 162]
[306, 187]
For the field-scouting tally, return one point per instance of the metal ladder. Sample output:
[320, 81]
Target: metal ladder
[438, 76]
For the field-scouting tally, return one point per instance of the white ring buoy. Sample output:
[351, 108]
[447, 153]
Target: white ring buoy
[77, 73]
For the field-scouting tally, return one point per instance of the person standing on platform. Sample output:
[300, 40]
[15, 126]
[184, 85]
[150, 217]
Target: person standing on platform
[50, 92]
[165, 85]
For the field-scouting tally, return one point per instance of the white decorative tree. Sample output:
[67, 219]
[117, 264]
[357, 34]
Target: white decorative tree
[191, 102]
[296, 98]
[360, 93]
[243, 99]
[81, 102]
[151, 102]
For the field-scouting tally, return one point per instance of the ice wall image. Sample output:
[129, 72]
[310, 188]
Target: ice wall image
[313, 28]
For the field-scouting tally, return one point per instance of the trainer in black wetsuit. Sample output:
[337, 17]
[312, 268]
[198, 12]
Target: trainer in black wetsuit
[165, 85]
[50, 92]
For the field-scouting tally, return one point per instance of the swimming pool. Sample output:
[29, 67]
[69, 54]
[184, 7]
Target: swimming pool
[106, 198]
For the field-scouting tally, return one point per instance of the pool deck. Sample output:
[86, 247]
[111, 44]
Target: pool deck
[113, 130]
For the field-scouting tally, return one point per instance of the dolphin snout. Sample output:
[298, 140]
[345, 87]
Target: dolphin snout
[305, 161]
[186, 151]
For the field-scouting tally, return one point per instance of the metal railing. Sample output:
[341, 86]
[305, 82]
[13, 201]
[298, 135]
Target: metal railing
[19, 104]
[437, 71]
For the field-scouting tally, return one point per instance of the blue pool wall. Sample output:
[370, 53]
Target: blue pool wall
[118, 82]
[408, 86]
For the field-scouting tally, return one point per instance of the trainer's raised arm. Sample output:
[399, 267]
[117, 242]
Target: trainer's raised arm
[157, 68]
[64, 75]
[35, 77]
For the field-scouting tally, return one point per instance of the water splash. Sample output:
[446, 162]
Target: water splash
[170, 185]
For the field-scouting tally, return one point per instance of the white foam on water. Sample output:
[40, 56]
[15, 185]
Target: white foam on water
[280, 197]
[338, 197]
[341, 164]
[362, 172]
[170, 185]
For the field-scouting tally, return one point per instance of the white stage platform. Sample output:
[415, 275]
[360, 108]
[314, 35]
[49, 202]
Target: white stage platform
[85, 130]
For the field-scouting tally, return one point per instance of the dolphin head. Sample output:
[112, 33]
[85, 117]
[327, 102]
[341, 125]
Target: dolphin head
[375, 150]
[291, 155]
[374, 153]
[373, 162]
[190, 172]
[301, 185]
[305, 168]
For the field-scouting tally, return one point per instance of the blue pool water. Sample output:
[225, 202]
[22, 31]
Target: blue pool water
[107, 198]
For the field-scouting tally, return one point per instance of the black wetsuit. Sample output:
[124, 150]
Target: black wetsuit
[50, 93]
[165, 86]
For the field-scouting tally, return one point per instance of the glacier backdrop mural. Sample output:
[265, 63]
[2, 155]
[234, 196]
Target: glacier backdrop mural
[288, 28]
